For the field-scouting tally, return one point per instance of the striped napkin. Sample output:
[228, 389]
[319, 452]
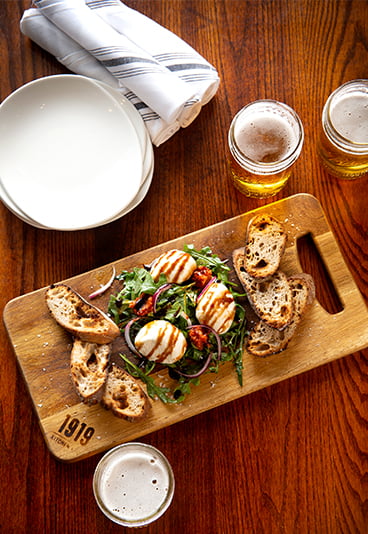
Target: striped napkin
[164, 78]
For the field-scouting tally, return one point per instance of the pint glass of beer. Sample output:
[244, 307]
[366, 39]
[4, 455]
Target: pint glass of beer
[343, 143]
[133, 484]
[265, 139]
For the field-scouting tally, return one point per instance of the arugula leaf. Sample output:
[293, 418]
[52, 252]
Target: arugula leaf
[177, 304]
[135, 283]
[207, 258]
[153, 390]
[183, 388]
[139, 281]
[234, 341]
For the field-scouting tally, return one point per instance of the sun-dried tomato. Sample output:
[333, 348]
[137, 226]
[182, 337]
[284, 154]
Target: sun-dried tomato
[143, 305]
[201, 276]
[199, 337]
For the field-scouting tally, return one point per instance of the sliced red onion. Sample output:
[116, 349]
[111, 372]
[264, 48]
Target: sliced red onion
[103, 288]
[209, 358]
[128, 339]
[198, 373]
[209, 283]
[157, 293]
[217, 337]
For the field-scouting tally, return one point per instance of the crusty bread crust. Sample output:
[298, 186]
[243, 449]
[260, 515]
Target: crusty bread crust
[264, 246]
[88, 366]
[264, 340]
[79, 317]
[271, 299]
[94, 379]
[124, 396]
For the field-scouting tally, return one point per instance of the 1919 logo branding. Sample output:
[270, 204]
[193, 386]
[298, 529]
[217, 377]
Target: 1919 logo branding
[72, 428]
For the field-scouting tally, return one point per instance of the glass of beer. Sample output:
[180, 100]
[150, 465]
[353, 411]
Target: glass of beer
[265, 139]
[343, 143]
[133, 484]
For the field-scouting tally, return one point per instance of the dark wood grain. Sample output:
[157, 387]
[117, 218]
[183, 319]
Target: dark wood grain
[292, 458]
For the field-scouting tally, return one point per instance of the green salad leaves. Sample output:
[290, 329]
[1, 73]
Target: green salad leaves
[176, 303]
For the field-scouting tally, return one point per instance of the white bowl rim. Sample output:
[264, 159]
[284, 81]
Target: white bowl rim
[137, 145]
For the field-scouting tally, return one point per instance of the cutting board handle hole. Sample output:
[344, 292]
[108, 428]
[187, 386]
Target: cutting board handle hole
[312, 263]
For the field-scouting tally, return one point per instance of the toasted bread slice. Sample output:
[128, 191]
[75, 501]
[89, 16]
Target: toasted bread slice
[271, 299]
[89, 364]
[264, 246]
[78, 317]
[124, 396]
[264, 340]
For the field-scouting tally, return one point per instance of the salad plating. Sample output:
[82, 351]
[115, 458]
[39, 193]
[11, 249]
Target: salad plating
[189, 324]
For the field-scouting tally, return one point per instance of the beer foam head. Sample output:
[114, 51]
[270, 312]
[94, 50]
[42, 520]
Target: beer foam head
[133, 484]
[349, 116]
[266, 134]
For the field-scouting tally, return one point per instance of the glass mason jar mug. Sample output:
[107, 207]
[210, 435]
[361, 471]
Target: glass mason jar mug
[265, 139]
[343, 142]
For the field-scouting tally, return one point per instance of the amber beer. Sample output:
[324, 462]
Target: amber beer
[265, 139]
[343, 143]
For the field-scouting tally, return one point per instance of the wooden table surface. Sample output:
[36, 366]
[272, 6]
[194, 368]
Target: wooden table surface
[291, 458]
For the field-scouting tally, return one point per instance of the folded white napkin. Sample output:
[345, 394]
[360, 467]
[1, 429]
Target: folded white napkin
[166, 80]
[75, 58]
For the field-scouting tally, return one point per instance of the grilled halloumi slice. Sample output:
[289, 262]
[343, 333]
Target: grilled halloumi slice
[177, 265]
[161, 341]
[216, 308]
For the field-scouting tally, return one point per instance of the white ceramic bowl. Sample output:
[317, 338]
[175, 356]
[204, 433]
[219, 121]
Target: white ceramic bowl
[74, 153]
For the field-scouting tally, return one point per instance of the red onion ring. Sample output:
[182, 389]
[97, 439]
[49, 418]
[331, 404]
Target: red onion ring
[198, 373]
[128, 339]
[209, 283]
[157, 293]
[209, 358]
[156, 296]
[217, 337]
[103, 288]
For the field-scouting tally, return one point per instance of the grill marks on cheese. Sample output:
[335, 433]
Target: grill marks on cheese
[161, 341]
[178, 266]
[216, 308]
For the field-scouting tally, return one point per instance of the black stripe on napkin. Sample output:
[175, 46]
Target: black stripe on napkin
[117, 61]
[188, 66]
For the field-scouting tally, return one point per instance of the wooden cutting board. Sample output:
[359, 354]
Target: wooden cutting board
[74, 431]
